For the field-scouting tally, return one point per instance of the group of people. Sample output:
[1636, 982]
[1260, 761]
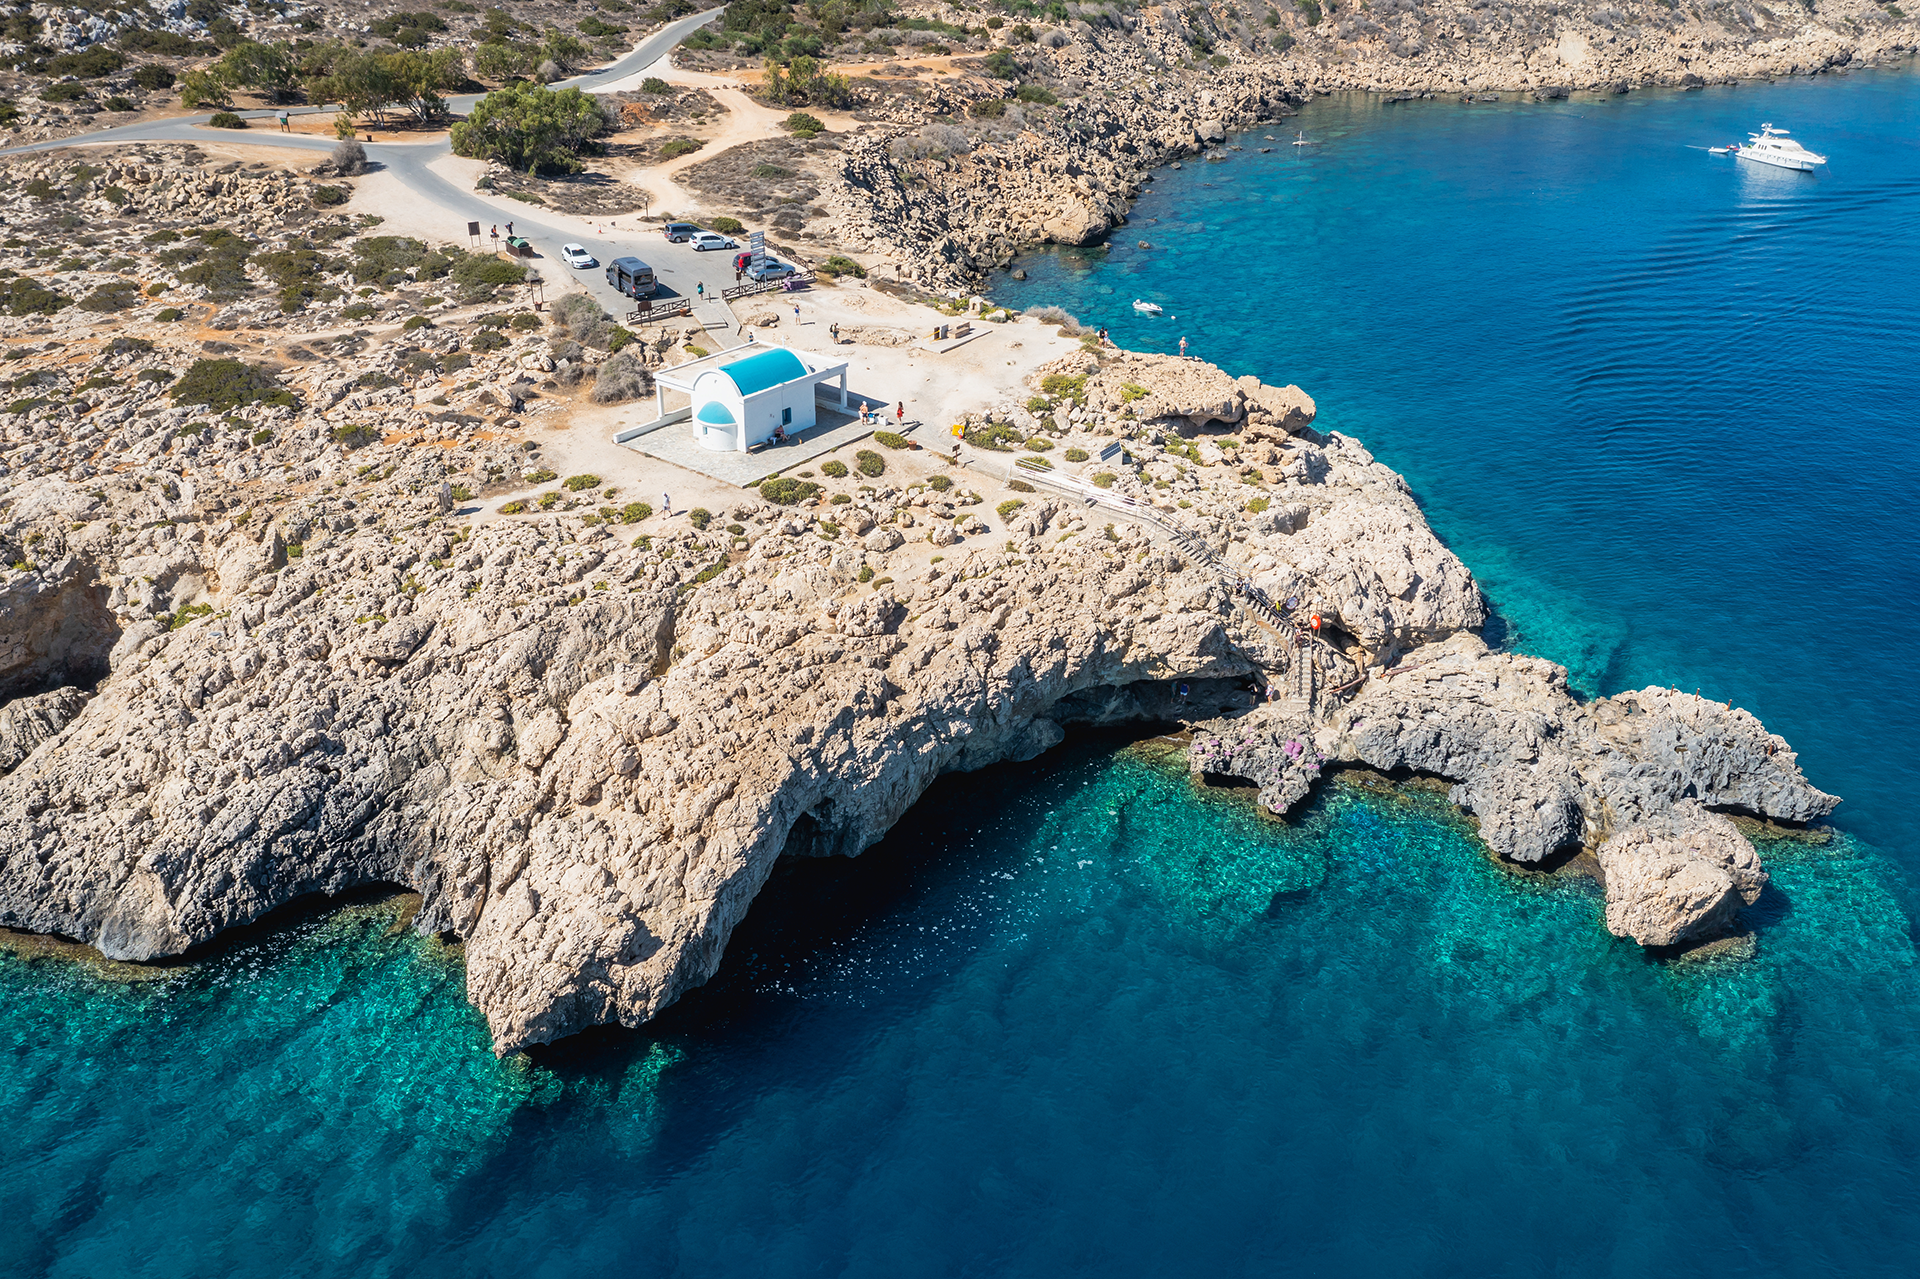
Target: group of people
[870, 415]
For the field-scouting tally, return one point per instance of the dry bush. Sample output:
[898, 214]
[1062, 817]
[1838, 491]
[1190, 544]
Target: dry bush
[621, 378]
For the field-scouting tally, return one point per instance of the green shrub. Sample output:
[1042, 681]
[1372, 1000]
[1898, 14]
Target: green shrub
[940, 483]
[1065, 386]
[866, 572]
[786, 491]
[416, 322]
[654, 84]
[167, 315]
[1035, 94]
[226, 120]
[634, 512]
[579, 483]
[1006, 509]
[990, 108]
[1104, 480]
[117, 295]
[700, 517]
[891, 440]
[834, 470]
[840, 499]
[1257, 505]
[541, 476]
[487, 340]
[801, 124]
[229, 384]
[355, 436]
[869, 463]
[729, 226]
[153, 77]
[22, 296]
[1076, 455]
[512, 508]
[161, 376]
[522, 321]
[1039, 443]
[325, 197]
[840, 264]
[263, 437]
[549, 499]
[676, 147]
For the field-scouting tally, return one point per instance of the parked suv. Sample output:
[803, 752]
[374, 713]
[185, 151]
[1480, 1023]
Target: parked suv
[680, 232]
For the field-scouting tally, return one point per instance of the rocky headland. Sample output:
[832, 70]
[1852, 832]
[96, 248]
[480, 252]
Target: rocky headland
[275, 655]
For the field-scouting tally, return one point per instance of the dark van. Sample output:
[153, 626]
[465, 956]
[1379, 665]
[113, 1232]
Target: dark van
[632, 277]
[679, 232]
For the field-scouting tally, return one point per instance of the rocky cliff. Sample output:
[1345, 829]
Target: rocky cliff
[1052, 144]
[586, 752]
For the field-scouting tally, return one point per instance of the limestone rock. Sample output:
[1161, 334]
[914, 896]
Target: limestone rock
[1678, 878]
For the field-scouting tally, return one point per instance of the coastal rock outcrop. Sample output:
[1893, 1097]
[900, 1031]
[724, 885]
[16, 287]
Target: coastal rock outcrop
[1632, 774]
[1679, 877]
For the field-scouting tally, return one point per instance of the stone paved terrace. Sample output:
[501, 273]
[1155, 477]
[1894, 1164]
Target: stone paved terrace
[675, 443]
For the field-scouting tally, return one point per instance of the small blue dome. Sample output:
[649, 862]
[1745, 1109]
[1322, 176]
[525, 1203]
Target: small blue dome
[714, 413]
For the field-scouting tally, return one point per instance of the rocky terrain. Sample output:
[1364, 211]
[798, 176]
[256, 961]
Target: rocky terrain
[333, 633]
[1050, 138]
[290, 602]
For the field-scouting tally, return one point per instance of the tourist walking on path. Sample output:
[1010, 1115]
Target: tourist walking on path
[900, 413]
[834, 329]
[796, 313]
[509, 230]
[666, 504]
[701, 289]
[283, 123]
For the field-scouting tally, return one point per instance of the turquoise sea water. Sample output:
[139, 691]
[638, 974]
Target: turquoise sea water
[1073, 1017]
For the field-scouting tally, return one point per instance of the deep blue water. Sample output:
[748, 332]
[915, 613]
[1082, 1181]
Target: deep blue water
[1073, 1017]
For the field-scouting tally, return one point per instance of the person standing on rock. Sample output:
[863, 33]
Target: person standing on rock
[666, 504]
[1183, 346]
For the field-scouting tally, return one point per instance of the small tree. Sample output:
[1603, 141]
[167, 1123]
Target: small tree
[800, 124]
[528, 127]
[204, 89]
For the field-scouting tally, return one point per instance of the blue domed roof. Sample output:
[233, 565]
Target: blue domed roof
[769, 368]
[714, 413]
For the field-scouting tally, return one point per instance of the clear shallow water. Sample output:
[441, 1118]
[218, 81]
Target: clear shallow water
[1074, 1018]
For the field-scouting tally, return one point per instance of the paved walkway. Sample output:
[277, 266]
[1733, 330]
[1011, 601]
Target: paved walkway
[675, 443]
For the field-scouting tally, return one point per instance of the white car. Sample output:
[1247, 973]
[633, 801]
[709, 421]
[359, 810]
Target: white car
[576, 256]
[709, 240]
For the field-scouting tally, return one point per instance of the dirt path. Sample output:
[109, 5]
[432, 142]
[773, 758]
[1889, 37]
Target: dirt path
[746, 121]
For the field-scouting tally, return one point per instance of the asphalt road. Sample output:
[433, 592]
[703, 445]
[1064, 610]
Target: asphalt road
[678, 268]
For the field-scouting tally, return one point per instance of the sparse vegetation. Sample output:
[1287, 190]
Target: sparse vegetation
[786, 491]
[229, 384]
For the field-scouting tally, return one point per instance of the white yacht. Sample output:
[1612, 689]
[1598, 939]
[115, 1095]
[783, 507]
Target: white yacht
[1780, 149]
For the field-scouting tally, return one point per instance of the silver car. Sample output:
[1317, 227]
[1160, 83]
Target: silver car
[711, 240]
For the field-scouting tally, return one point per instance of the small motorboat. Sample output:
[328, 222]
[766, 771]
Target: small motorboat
[1148, 308]
[1720, 150]
[1300, 140]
